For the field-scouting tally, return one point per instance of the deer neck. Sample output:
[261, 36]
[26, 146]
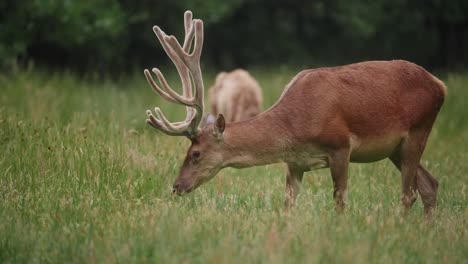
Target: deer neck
[253, 142]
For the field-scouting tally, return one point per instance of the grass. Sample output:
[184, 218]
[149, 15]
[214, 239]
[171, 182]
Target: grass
[84, 179]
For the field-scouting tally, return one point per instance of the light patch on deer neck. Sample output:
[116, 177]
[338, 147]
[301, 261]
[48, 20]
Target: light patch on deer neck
[254, 153]
[244, 160]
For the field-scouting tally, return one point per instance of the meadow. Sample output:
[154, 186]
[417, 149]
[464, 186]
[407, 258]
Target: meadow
[83, 179]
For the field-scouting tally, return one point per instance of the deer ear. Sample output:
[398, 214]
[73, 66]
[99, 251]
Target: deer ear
[219, 126]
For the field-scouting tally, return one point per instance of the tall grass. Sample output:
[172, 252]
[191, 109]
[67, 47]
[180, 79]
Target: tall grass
[83, 179]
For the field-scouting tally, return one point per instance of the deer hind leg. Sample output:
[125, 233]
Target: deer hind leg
[339, 162]
[426, 185]
[414, 176]
[293, 185]
[427, 188]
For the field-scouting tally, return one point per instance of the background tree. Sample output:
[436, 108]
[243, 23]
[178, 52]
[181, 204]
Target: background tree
[115, 35]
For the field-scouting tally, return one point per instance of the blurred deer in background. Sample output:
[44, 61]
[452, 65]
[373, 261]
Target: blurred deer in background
[236, 95]
[325, 118]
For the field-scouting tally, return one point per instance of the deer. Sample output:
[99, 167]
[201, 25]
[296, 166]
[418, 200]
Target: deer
[236, 95]
[325, 118]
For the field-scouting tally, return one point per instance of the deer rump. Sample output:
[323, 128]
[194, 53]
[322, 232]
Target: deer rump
[236, 95]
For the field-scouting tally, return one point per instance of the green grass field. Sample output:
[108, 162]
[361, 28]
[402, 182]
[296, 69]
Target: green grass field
[84, 179]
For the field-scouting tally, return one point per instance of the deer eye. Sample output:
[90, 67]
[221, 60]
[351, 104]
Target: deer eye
[196, 154]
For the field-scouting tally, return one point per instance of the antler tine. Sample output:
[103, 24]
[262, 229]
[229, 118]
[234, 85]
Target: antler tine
[156, 88]
[175, 127]
[188, 24]
[161, 120]
[156, 123]
[189, 31]
[198, 39]
[174, 95]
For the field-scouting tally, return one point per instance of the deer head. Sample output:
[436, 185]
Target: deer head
[203, 157]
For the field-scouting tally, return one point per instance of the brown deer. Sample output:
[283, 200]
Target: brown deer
[236, 95]
[327, 117]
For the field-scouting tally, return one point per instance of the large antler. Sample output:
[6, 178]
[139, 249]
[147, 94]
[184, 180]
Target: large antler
[188, 67]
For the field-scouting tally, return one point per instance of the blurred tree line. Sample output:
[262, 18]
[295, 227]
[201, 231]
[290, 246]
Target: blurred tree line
[116, 35]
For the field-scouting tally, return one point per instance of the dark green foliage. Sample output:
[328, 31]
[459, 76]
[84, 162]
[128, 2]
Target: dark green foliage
[116, 35]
